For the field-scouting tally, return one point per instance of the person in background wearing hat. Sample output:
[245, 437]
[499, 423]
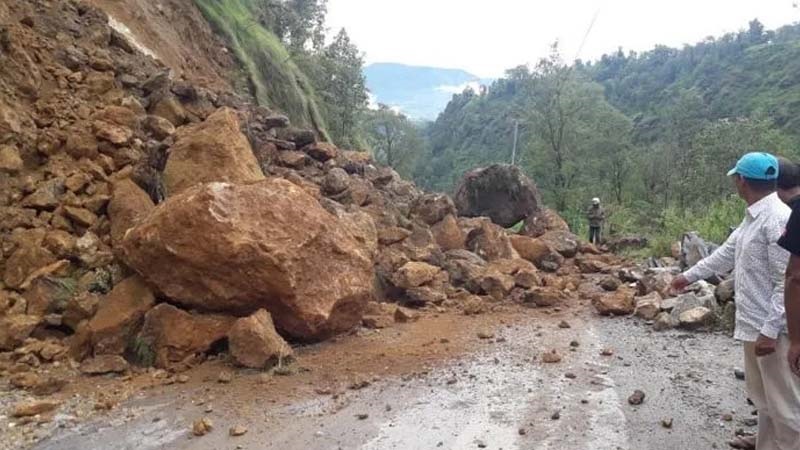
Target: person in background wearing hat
[759, 263]
[789, 192]
[596, 215]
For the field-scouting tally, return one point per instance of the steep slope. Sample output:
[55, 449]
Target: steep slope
[275, 79]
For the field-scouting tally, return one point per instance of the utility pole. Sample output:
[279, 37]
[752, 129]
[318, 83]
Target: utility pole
[514, 148]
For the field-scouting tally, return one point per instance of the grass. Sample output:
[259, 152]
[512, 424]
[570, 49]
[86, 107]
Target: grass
[276, 80]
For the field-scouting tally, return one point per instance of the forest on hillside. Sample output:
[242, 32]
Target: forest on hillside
[651, 133]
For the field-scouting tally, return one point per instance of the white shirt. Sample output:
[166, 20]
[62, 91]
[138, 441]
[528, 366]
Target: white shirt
[759, 266]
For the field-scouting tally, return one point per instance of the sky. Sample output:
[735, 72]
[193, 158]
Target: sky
[488, 37]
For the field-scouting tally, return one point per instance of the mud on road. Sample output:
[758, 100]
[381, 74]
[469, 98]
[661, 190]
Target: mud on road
[456, 392]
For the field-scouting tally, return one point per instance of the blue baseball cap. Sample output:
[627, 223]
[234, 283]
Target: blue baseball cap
[757, 166]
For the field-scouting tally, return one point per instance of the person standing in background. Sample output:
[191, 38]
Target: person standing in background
[596, 215]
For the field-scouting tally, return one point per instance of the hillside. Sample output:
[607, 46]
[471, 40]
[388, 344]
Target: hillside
[650, 133]
[419, 92]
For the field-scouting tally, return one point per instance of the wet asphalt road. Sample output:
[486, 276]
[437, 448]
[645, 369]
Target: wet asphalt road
[497, 398]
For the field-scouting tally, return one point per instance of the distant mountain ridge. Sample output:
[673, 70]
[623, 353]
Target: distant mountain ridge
[419, 92]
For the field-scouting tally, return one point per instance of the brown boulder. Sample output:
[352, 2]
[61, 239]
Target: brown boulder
[25, 261]
[80, 216]
[47, 196]
[392, 235]
[544, 296]
[543, 221]
[14, 329]
[158, 127]
[465, 269]
[321, 151]
[497, 284]
[292, 258]
[490, 242]
[79, 308]
[119, 315]
[618, 303]
[501, 192]
[414, 274]
[649, 306]
[214, 150]
[537, 251]
[255, 343]
[173, 334]
[103, 364]
[590, 264]
[128, 206]
[563, 242]
[448, 234]
[10, 161]
[432, 208]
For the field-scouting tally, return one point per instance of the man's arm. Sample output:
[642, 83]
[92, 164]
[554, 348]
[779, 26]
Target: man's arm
[719, 262]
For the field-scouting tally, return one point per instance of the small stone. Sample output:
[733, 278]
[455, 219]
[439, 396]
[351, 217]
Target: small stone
[485, 334]
[607, 352]
[750, 422]
[738, 373]
[103, 364]
[362, 416]
[727, 418]
[34, 408]
[237, 430]
[574, 344]
[551, 357]
[570, 375]
[203, 426]
[183, 379]
[637, 398]
[556, 415]
[225, 377]
[666, 423]
[564, 324]
[522, 431]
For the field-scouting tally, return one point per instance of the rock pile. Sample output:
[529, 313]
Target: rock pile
[144, 219]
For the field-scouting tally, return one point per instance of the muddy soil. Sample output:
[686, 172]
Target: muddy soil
[436, 384]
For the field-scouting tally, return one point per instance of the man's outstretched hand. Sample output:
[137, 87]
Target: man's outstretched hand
[765, 346]
[679, 284]
[794, 358]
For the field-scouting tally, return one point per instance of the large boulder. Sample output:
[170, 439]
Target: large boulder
[214, 150]
[173, 334]
[255, 343]
[501, 192]
[239, 248]
[563, 242]
[448, 234]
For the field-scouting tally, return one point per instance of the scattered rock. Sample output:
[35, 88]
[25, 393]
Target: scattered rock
[556, 415]
[663, 322]
[225, 377]
[564, 324]
[414, 274]
[637, 398]
[695, 318]
[607, 352]
[203, 426]
[739, 373]
[237, 430]
[34, 408]
[667, 423]
[119, 315]
[433, 208]
[485, 334]
[619, 303]
[254, 342]
[648, 307]
[551, 357]
[609, 284]
[103, 364]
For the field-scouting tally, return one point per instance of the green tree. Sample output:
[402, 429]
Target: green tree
[395, 140]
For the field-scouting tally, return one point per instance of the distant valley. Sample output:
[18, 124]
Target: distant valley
[419, 92]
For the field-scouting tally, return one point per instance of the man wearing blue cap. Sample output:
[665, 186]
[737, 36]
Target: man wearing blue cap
[759, 263]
